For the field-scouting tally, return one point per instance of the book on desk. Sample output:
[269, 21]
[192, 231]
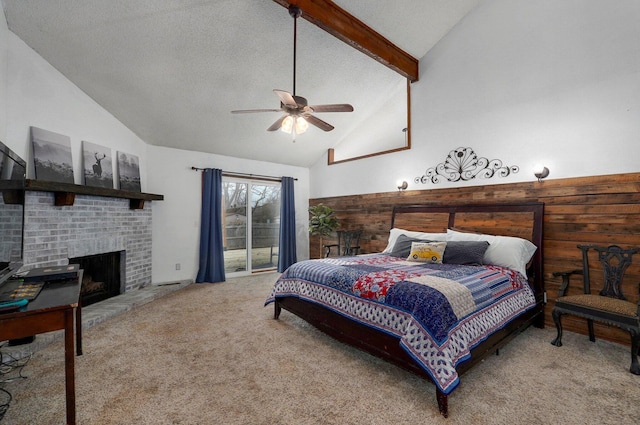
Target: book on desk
[49, 273]
[26, 285]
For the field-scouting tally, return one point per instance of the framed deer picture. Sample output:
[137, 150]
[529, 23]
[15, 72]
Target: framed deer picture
[98, 168]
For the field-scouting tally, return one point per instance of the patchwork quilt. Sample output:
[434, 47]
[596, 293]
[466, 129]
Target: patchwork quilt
[439, 311]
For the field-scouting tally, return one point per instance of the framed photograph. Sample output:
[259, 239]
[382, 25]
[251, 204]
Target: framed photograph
[129, 172]
[98, 167]
[52, 156]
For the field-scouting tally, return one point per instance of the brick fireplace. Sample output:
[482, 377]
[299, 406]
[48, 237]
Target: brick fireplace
[103, 276]
[92, 225]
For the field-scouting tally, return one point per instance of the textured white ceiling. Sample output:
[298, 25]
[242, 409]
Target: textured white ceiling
[172, 70]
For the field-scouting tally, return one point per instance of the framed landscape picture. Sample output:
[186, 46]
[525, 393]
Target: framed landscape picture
[52, 156]
[98, 167]
[129, 172]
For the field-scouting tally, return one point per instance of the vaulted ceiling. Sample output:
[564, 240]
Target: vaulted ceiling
[172, 70]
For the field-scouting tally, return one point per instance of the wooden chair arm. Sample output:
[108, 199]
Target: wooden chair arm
[565, 280]
[328, 249]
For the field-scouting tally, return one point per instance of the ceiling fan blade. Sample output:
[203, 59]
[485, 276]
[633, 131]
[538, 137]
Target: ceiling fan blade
[251, 111]
[318, 123]
[277, 124]
[286, 98]
[339, 107]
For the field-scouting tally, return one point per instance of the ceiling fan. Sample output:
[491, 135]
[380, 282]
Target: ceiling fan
[297, 113]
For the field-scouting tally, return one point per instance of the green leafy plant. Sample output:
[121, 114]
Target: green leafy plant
[322, 222]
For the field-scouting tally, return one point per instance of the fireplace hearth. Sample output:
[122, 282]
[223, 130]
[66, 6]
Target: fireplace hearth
[102, 277]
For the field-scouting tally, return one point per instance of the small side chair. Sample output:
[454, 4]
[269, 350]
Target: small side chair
[609, 305]
[348, 243]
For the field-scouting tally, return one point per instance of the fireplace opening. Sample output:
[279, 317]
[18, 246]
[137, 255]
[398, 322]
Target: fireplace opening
[101, 278]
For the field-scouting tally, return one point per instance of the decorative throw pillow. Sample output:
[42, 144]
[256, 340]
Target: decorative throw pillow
[402, 247]
[468, 253]
[427, 252]
[396, 232]
[505, 251]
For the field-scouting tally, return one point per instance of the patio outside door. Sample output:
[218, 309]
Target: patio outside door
[251, 225]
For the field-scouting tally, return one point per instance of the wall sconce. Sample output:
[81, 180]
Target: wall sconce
[540, 172]
[402, 185]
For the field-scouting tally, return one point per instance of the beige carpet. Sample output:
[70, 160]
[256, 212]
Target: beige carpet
[212, 354]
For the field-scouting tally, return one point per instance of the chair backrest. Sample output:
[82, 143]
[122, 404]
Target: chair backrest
[614, 261]
[347, 239]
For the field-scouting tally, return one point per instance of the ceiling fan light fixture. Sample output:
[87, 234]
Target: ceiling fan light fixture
[287, 124]
[297, 113]
[297, 124]
[301, 125]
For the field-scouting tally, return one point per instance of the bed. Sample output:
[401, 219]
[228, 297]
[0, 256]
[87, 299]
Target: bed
[458, 296]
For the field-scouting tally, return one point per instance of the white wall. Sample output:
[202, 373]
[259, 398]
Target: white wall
[555, 82]
[4, 34]
[176, 219]
[38, 95]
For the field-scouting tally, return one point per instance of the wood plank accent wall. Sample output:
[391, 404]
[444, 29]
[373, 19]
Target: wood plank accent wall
[602, 210]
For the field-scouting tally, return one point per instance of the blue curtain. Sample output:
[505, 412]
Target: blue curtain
[211, 249]
[287, 242]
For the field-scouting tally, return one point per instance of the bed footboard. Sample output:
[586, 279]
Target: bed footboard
[374, 342]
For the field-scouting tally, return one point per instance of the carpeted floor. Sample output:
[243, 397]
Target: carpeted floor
[212, 354]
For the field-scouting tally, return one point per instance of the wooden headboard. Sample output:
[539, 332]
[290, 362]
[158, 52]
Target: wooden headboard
[520, 220]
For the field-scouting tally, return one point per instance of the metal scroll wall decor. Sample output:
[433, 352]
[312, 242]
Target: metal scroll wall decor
[463, 164]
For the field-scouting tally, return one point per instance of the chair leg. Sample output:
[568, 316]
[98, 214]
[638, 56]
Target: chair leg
[635, 346]
[592, 335]
[556, 319]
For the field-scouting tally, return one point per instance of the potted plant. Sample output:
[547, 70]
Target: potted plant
[322, 222]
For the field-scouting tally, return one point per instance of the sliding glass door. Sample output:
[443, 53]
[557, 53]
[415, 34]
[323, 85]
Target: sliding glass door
[251, 225]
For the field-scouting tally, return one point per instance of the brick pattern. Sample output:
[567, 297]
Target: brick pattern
[10, 231]
[93, 225]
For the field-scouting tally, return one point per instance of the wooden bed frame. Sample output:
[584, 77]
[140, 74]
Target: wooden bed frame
[521, 220]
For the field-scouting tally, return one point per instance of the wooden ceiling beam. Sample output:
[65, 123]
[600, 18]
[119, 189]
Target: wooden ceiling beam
[328, 16]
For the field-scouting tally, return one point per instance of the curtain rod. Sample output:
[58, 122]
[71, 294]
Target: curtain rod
[234, 174]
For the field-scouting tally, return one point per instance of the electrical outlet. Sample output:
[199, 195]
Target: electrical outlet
[177, 266]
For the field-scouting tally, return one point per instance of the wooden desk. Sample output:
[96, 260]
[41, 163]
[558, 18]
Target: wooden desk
[52, 310]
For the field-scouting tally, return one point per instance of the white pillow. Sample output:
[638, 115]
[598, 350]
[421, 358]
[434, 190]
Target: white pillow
[505, 251]
[395, 232]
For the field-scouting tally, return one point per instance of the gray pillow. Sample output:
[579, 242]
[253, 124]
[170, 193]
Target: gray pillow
[457, 252]
[465, 252]
[402, 248]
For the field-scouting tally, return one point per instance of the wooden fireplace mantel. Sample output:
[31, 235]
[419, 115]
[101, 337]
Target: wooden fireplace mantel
[65, 193]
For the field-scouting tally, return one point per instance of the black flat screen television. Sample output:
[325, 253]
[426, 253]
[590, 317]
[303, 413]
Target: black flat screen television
[13, 171]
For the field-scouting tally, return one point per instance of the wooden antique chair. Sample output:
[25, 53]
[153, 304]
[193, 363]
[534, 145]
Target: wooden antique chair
[609, 305]
[348, 243]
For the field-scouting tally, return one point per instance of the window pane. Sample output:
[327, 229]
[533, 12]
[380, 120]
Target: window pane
[234, 228]
[265, 225]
